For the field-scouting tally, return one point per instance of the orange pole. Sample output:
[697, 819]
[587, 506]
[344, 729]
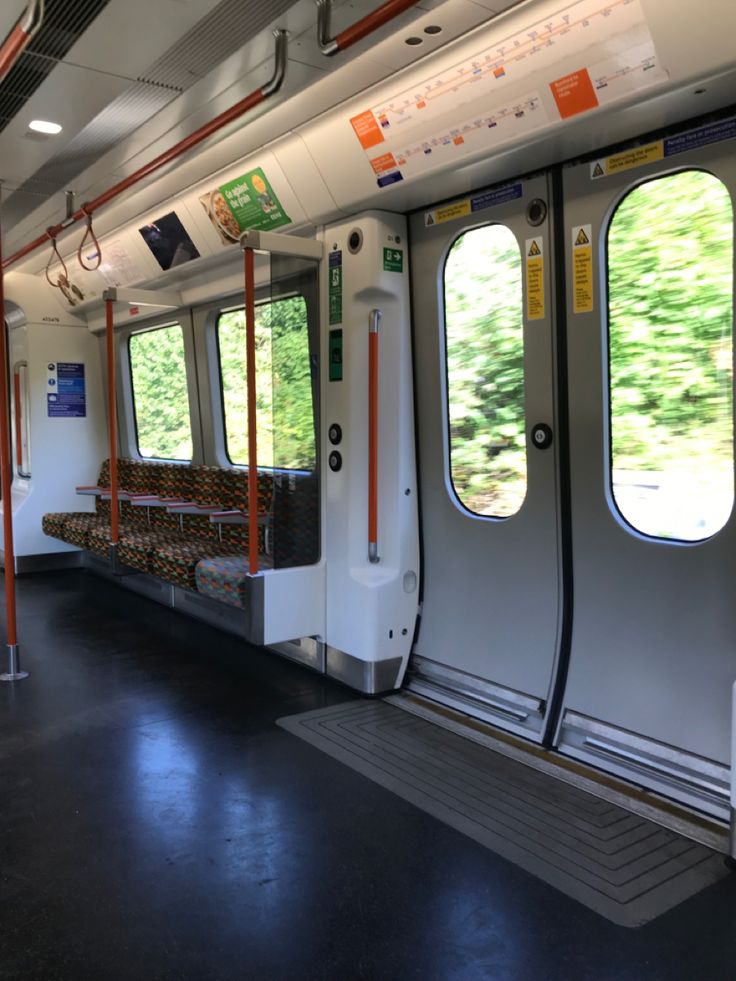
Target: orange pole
[371, 22]
[12, 49]
[112, 424]
[5, 473]
[18, 428]
[375, 320]
[250, 369]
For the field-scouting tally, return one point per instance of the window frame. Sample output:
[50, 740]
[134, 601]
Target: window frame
[604, 237]
[218, 386]
[129, 389]
[444, 347]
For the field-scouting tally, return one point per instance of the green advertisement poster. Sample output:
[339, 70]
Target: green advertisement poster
[247, 202]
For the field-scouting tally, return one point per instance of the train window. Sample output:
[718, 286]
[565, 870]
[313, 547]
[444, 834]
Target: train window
[484, 328]
[285, 417]
[670, 314]
[160, 398]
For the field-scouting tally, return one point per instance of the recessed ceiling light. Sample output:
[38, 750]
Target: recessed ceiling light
[43, 126]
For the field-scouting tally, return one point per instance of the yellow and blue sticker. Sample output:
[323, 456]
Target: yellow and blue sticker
[638, 156]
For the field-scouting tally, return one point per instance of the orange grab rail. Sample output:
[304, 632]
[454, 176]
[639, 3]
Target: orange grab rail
[168, 156]
[360, 29]
[18, 427]
[250, 370]
[112, 423]
[17, 41]
[373, 329]
[5, 472]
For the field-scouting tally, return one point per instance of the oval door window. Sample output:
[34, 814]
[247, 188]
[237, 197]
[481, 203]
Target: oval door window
[484, 327]
[670, 316]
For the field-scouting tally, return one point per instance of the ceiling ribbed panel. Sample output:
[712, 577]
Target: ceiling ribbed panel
[64, 23]
[223, 32]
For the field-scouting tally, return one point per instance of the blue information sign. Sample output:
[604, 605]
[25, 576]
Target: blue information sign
[66, 396]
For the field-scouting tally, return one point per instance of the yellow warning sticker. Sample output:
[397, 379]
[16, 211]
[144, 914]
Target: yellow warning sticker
[627, 160]
[534, 250]
[582, 268]
[457, 210]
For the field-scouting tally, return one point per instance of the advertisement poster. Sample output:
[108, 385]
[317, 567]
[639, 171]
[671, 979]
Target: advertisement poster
[247, 202]
[66, 396]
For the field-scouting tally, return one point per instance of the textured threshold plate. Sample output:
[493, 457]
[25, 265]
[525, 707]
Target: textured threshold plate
[623, 866]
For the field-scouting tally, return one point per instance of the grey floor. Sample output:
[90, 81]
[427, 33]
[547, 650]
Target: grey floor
[156, 823]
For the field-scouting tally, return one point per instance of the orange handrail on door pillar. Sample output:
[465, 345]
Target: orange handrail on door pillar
[112, 428]
[374, 325]
[250, 374]
[14, 672]
[18, 426]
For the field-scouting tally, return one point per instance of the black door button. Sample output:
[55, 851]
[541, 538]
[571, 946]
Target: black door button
[335, 461]
[542, 436]
[334, 434]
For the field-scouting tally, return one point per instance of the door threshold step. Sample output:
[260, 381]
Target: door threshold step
[638, 800]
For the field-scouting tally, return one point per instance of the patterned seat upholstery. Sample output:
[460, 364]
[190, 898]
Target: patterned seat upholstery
[223, 578]
[154, 540]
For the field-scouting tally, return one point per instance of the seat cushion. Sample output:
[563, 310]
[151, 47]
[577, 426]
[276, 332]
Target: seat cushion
[176, 561]
[223, 578]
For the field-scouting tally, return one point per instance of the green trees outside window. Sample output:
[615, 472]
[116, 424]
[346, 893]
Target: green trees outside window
[485, 371]
[160, 398]
[670, 312]
[285, 414]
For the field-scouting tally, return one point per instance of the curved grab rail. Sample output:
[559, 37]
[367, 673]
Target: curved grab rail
[374, 325]
[361, 28]
[20, 418]
[20, 37]
[255, 98]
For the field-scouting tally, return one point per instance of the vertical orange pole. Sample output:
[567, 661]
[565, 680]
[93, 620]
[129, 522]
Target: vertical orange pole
[373, 328]
[13, 673]
[250, 369]
[18, 427]
[112, 424]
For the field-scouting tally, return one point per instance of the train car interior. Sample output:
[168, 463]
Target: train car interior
[367, 489]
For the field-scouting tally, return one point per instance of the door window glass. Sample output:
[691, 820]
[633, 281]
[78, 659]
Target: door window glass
[160, 398]
[670, 308]
[485, 371]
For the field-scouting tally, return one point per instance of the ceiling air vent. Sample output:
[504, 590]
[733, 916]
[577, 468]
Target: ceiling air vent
[64, 23]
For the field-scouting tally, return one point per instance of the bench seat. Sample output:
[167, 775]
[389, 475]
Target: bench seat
[223, 578]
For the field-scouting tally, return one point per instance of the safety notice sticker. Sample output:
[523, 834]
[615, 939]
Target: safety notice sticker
[468, 206]
[335, 287]
[694, 139]
[582, 269]
[66, 397]
[534, 251]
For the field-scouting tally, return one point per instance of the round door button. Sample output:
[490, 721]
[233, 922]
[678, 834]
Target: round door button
[542, 436]
[335, 461]
[334, 433]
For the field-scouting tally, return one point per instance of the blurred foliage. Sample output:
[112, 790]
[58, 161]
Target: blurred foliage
[160, 396]
[670, 261]
[485, 361]
[285, 423]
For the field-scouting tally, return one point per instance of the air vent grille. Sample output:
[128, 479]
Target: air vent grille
[224, 31]
[64, 23]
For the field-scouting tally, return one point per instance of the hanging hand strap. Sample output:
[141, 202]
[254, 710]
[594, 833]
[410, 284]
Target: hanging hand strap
[55, 254]
[89, 233]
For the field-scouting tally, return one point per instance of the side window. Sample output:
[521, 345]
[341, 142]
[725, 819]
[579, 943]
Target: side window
[285, 415]
[160, 398]
[484, 325]
[670, 316]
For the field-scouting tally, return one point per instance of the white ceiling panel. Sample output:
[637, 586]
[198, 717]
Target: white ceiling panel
[127, 36]
[23, 152]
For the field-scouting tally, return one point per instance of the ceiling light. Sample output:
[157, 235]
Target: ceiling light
[43, 126]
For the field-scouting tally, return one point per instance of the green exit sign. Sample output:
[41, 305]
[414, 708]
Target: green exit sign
[393, 260]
